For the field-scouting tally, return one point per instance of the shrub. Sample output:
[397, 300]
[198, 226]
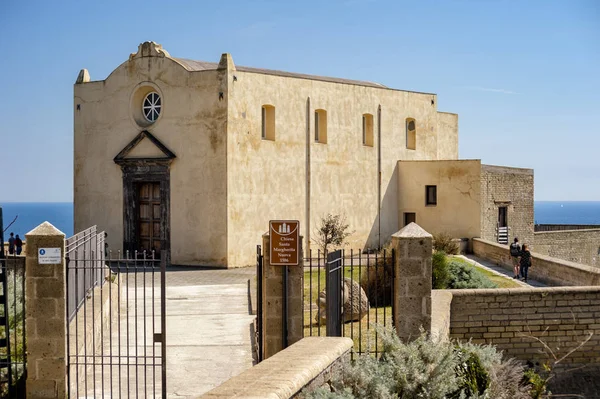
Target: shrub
[426, 369]
[332, 231]
[378, 279]
[463, 275]
[445, 243]
[440, 273]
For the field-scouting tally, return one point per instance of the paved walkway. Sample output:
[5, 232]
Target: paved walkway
[208, 328]
[207, 336]
[499, 270]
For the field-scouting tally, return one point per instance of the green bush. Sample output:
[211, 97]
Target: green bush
[426, 369]
[445, 243]
[463, 275]
[440, 273]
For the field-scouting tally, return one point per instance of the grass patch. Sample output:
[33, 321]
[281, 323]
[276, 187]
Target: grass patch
[361, 332]
[500, 281]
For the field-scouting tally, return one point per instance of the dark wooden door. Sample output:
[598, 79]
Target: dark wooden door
[149, 237]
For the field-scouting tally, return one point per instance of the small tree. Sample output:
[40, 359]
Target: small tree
[332, 231]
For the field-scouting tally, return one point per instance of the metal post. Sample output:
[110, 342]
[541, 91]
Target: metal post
[163, 319]
[284, 330]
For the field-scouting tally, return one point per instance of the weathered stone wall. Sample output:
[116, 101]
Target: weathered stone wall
[192, 125]
[294, 177]
[510, 319]
[580, 246]
[552, 271]
[458, 208]
[510, 187]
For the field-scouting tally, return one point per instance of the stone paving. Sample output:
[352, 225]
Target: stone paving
[207, 341]
[501, 271]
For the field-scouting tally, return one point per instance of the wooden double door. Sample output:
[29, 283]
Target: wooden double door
[149, 218]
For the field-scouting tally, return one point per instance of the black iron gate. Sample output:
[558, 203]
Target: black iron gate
[259, 307]
[13, 370]
[361, 285]
[116, 324]
[333, 287]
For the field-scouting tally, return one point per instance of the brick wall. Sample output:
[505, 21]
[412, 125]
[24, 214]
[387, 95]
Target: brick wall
[580, 246]
[510, 187]
[549, 270]
[508, 318]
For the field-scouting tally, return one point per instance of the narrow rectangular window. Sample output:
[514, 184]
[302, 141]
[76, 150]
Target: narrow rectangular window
[321, 126]
[410, 217]
[268, 122]
[430, 195]
[368, 130]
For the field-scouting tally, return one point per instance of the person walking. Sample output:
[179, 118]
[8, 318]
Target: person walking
[11, 244]
[515, 253]
[18, 245]
[525, 262]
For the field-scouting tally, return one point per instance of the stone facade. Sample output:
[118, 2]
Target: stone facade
[223, 180]
[509, 318]
[511, 188]
[580, 246]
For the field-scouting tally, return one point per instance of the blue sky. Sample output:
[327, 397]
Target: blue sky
[523, 76]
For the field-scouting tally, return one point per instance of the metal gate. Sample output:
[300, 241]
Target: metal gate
[259, 308]
[116, 325]
[333, 287]
[13, 370]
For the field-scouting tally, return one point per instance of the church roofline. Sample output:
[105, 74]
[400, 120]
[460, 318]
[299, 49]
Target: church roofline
[152, 49]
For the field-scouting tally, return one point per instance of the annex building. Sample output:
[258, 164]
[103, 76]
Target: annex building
[196, 157]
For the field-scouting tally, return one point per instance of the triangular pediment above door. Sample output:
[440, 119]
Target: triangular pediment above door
[144, 147]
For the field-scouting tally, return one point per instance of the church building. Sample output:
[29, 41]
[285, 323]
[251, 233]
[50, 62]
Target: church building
[196, 157]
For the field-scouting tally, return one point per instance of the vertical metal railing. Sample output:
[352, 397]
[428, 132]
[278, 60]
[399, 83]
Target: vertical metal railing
[359, 274]
[116, 336]
[13, 346]
[259, 303]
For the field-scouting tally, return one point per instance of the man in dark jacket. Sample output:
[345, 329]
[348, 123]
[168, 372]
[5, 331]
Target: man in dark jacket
[515, 252]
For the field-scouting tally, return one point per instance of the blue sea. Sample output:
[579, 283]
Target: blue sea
[60, 214]
[31, 214]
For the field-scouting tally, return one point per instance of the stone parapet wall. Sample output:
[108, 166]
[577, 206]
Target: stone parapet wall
[306, 364]
[549, 270]
[510, 187]
[581, 246]
[512, 319]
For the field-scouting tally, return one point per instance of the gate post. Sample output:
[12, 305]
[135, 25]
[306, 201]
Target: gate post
[45, 313]
[412, 281]
[274, 307]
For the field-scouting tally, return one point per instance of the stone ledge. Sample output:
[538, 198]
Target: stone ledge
[284, 374]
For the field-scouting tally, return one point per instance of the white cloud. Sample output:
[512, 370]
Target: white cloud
[489, 89]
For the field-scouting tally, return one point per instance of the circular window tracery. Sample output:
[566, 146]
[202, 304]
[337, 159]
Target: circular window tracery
[151, 106]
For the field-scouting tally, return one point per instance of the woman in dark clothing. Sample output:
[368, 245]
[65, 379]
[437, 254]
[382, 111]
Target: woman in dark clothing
[525, 261]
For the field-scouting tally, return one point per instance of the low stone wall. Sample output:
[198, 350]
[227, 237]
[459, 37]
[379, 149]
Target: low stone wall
[305, 364]
[549, 270]
[526, 323]
[581, 246]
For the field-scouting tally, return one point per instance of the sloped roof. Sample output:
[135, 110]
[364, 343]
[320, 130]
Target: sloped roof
[192, 65]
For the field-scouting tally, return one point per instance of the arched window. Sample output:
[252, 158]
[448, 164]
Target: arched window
[411, 134]
[268, 122]
[321, 126]
[367, 129]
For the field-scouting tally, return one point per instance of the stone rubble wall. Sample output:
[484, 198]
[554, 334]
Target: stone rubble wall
[580, 246]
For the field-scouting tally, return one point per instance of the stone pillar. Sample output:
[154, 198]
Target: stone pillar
[412, 292]
[45, 315]
[273, 304]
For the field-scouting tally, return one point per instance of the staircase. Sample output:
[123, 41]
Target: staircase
[503, 235]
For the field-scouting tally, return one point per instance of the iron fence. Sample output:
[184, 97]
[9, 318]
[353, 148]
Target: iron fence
[13, 371]
[85, 254]
[366, 279]
[116, 340]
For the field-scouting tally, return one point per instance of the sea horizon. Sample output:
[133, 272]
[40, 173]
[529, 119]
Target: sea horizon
[60, 214]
